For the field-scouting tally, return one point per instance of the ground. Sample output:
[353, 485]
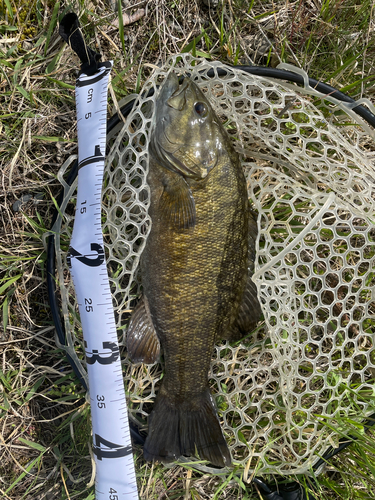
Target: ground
[45, 418]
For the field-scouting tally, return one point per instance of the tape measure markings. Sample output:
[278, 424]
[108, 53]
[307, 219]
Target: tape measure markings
[115, 474]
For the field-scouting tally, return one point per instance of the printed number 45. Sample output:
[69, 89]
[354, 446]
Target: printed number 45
[111, 496]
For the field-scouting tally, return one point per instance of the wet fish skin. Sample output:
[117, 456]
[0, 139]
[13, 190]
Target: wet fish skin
[195, 270]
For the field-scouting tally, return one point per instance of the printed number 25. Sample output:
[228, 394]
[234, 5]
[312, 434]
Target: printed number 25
[88, 308]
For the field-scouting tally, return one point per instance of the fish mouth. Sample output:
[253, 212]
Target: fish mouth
[178, 98]
[170, 86]
[172, 93]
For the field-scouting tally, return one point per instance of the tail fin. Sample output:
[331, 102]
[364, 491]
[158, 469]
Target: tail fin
[175, 431]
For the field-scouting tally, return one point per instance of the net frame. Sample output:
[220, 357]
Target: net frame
[256, 395]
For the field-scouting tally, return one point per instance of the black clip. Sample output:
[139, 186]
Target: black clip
[291, 491]
[70, 32]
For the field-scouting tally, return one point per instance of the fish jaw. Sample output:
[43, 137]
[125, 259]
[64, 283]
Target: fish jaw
[169, 87]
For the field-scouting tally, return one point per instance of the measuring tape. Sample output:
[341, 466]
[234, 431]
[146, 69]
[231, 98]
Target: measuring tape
[115, 474]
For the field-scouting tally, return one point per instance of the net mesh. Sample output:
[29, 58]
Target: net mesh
[309, 165]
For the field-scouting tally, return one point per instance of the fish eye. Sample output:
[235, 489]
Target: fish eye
[201, 109]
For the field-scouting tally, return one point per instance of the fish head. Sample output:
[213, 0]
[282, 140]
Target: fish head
[187, 136]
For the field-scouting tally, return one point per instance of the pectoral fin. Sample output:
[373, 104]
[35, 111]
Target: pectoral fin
[177, 203]
[142, 342]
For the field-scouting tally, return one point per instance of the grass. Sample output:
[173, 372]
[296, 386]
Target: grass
[45, 419]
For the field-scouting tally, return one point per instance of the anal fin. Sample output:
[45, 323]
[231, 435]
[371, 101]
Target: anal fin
[142, 341]
[248, 315]
[250, 310]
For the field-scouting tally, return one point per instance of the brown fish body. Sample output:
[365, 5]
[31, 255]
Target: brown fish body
[194, 276]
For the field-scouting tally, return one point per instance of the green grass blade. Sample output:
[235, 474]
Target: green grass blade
[121, 26]
[34, 388]
[8, 283]
[32, 444]
[52, 26]
[45, 138]
[21, 476]
[9, 8]
[347, 63]
[52, 65]
[5, 307]
[5, 313]
[190, 46]
[60, 83]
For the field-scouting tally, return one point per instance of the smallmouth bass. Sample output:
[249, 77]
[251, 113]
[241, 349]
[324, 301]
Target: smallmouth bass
[195, 269]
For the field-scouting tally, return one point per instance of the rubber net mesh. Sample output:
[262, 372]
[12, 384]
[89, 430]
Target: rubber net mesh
[309, 165]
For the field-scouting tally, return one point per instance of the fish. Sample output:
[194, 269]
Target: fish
[196, 271]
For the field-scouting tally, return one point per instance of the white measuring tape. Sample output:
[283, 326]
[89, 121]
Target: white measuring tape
[115, 474]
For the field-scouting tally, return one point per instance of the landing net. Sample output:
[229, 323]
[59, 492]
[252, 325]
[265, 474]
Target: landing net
[309, 162]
